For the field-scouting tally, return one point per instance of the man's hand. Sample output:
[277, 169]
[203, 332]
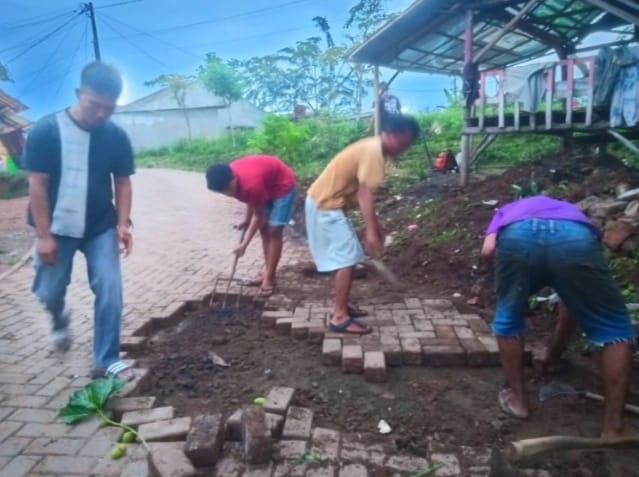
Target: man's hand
[47, 249]
[241, 226]
[374, 245]
[126, 241]
[488, 248]
[241, 250]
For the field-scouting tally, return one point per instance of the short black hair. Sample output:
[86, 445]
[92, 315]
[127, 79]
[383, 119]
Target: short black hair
[102, 78]
[401, 124]
[218, 176]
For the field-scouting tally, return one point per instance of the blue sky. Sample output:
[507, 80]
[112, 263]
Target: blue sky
[146, 38]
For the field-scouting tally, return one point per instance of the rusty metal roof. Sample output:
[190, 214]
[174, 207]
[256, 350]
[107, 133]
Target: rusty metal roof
[429, 35]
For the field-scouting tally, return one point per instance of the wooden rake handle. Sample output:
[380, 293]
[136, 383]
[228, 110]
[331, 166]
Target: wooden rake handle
[598, 397]
[527, 448]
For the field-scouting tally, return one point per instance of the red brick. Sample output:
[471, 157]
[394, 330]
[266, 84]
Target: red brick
[205, 440]
[171, 430]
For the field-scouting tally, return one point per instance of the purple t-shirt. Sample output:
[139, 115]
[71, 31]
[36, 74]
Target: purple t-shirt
[538, 207]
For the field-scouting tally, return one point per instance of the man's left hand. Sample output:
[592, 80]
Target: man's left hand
[488, 248]
[240, 251]
[126, 241]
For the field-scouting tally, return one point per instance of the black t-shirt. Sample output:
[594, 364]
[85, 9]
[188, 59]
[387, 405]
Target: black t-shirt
[110, 155]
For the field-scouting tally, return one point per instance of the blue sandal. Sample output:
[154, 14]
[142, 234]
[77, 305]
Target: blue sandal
[344, 325]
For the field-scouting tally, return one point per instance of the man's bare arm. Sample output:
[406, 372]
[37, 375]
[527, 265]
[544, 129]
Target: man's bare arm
[366, 199]
[123, 200]
[39, 203]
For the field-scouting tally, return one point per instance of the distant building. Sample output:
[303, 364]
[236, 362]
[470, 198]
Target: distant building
[12, 131]
[157, 120]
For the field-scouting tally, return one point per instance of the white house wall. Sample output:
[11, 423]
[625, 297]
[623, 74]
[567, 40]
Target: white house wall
[154, 129]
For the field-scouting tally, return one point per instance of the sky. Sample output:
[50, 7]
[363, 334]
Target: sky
[146, 38]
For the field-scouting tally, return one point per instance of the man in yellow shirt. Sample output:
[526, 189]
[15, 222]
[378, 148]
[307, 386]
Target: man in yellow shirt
[351, 178]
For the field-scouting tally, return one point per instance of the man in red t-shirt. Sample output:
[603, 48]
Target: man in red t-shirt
[267, 186]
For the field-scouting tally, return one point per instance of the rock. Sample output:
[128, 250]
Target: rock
[256, 436]
[588, 203]
[632, 210]
[607, 208]
[629, 195]
[617, 232]
[630, 245]
[205, 440]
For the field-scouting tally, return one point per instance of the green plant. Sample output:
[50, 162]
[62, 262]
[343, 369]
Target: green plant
[426, 471]
[90, 401]
[444, 236]
[312, 458]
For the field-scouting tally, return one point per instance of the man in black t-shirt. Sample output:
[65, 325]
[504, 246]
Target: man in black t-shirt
[76, 159]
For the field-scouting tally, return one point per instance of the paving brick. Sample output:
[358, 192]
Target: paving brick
[55, 386]
[352, 359]
[259, 471]
[83, 429]
[423, 325]
[58, 464]
[477, 355]
[374, 367]
[316, 334]
[445, 332]
[120, 405]
[14, 378]
[449, 465]
[171, 430]
[19, 466]
[279, 399]
[101, 442]
[275, 424]
[270, 317]
[289, 469]
[331, 351]
[404, 463]
[136, 468]
[490, 342]
[229, 466]
[353, 470]
[480, 471]
[168, 460]
[13, 446]
[326, 471]
[298, 423]
[34, 415]
[26, 401]
[299, 329]
[464, 332]
[403, 320]
[438, 304]
[54, 446]
[256, 436]
[283, 326]
[205, 440]
[417, 334]
[393, 353]
[289, 449]
[326, 442]
[413, 303]
[233, 426]
[144, 416]
[443, 356]
[479, 326]
[411, 351]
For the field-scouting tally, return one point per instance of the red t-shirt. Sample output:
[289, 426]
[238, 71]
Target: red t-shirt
[261, 179]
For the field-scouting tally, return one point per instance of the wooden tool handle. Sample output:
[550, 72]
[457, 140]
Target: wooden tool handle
[527, 448]
[598, 397]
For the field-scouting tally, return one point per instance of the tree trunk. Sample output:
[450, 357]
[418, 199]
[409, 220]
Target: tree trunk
[228, 106]
[188, 122]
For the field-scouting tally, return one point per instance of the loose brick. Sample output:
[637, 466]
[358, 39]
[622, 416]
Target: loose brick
[256, 436]
[411, 351]
[135, 418]
[289, 450]
[275, 424]
[438, 304]
[278, 400]
[299, 329]
[449, 465]
[326, 442]
[477, 355]
[352, 359]
[316, 334]
[374, 367]
[403, 463]
[168, 460]
[233, 426]
[353, 470]
[443, 356]
[171, 430]
[283, 326]
[331, 351]
[269, 318]
[354, 452]
[298, 423]
[120, 405]
[205, 440]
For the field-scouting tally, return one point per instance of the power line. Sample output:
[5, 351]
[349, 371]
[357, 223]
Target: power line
[71, 64]
[117, 4]
[44, 31]
[34, 20]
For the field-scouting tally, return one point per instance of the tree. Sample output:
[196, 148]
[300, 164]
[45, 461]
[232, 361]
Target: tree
[178, 85]
[223, 81]
[4, 73]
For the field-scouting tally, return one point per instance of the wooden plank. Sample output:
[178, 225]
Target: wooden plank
[591, 90]
[619, 12]
[550, 88]
[487, 141]
[377, 105]
[624, 141]
[482, 99]
[517, 116]
[570, 79]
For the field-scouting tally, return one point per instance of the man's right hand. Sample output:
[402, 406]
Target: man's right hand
[374, 245]
[47, 250]
[241, 226]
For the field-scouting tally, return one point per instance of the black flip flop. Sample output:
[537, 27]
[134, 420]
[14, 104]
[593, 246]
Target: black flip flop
[343, 327]
[355, 311]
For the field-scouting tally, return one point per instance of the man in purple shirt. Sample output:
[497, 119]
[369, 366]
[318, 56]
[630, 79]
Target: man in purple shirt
[539, 242]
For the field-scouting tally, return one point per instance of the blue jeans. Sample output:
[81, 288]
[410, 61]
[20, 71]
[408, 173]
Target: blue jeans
[280, 210]
[568, 257]
[103, 265]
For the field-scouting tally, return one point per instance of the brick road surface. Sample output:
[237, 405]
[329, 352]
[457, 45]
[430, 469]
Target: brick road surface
[183, 240]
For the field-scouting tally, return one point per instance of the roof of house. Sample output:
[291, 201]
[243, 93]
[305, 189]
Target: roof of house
[162, 100]
[429, 35]
[10, 102]
[9, 117]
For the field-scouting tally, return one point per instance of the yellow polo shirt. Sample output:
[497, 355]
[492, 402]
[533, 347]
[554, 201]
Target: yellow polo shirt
[360, 163]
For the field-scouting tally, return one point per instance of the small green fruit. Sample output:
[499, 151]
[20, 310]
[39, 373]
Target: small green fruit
[259, 401]
[128, 437]
[118, 451]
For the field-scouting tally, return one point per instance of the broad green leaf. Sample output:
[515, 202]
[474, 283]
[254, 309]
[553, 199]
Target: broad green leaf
[100, 390]
[71, 414]
[86, 401]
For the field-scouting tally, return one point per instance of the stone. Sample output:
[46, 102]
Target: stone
[168, 460]
[144, 416]
[256, 436]
[205, 440]
[352, 359]
[449, 464]
[119, 405]
[411, 351]
[331, 351]
[171, 430]
[298, 424]
[278, 400]
[443, 356]
[374, 367]
[233, 426]
[617, 232]
[326, 442]
[289, 450]
[353, 470]
[275, 423]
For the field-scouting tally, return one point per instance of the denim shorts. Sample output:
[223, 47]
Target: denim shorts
[280, 210]
[567, 256]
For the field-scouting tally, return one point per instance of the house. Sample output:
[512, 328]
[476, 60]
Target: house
[503, 44]
[12, 128]
[158, 121]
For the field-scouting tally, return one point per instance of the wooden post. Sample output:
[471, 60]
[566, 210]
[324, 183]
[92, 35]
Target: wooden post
[377, 113]
[465, 141]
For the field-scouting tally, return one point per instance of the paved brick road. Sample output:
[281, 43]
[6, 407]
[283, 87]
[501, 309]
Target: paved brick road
[183, 240]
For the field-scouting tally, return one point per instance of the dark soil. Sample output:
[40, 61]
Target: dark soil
[442, 409]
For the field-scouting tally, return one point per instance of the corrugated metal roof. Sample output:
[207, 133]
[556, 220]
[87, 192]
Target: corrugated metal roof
[429, 35]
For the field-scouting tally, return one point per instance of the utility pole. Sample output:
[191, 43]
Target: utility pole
[88, 9]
